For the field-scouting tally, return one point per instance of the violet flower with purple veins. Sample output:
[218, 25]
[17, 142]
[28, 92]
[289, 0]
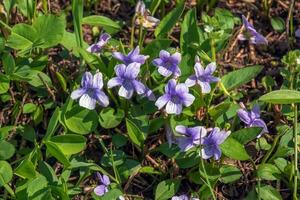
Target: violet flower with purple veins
[211, 144]
[191, 136]
[91, 91]
[252, 119]
[101, 189]
[168, 64]
[203, 77]
[297, 33]
[175, 97]
[133, 56]
[126, 78]
[251, 34]
[103, 39]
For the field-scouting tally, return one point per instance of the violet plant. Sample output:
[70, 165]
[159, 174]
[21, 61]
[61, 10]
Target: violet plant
[135, 109]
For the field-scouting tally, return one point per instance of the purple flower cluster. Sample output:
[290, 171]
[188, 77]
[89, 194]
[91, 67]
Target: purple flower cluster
[251, 34]
[252, 118]
[183, 197]
[196, 136]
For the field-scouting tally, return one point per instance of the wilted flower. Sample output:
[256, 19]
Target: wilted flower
[144, 17]
[297, 33]
[101, 189]
[168, 64]
[252, 118]
[103, 39]
[202, 77]
[126, 78]
[211, 143]
[191, 136]
[181, 197]
[133, 56]
[251, 34]
[175, 96]
[91, 91]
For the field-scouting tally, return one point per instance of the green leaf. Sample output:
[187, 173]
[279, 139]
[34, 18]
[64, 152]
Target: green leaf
[50, 29]
[77, 12]
[268, 172]
[8, 63]
[7, 150]
[36, 185]
[246, 135]
[26, 169]
[278, 24]
[169, 21]
[234, 79]
[53, 149]
[189, 31]
[29, 108]
[267, 192]
[153, 48]
[69, 144]
[52, 124]
[108, 25]
[136, 136]
[281, 97]
[233, 149]
[230, 174]
[80, 120]
[166, 189]
[4, 84]
[128, 168]
[112, 194]
[119, 140]
[23, 37]
[62, 81]
[117, 156]
[109, 118]
[6, 173]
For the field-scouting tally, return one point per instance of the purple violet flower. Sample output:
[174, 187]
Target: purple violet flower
[203, 77]
[168, 64]
[175, 96]
[101, 189]
[211, 144]
[251, 34]
[181, 197]
[103, 39]
[91, 91]
[297, 33]
[133, 56]
[126, 78]
[191, 136]
[252, 118]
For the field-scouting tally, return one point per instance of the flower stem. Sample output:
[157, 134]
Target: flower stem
[207, 181]
[296, 152]
[112, 96]
[258, 179]
[132, 31]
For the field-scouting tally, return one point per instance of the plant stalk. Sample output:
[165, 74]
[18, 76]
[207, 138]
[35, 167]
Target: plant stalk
[296, 152]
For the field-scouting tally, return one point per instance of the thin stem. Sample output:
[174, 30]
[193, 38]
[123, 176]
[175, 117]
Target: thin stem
[132, 31]
[213, 50]
[141, 37]
[258, 179]
[296, 151]
[207, 180]
[9, 190]
[112, 96]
